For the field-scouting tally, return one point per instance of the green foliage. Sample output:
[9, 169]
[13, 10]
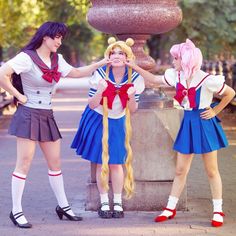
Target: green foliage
[210, 24]
[21, 18]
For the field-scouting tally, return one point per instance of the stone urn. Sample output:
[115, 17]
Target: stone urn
[137, 19]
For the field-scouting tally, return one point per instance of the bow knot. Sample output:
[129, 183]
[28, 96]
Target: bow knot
[49, 75]
[182, 92]
[111, 91]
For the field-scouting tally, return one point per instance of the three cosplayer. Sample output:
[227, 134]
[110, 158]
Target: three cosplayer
[104, 132]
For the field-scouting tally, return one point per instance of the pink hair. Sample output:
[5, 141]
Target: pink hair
[190, 56]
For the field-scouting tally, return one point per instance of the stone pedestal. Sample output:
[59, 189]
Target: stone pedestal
[154, 131]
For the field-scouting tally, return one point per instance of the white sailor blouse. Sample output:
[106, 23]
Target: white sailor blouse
[116, 108]
[37, 89]
[202, 84]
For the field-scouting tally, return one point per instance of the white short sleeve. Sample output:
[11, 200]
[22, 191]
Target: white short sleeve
[21, 63]
[216, 84]
[93, 82]
[63, 66]
[139, 84]
[170, 77]
[94, 79]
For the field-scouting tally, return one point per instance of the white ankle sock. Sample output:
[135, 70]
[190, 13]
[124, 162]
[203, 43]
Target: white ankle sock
[104, 199]
[17, 187]
[217, 207]
[117, 199]
[172, 202]
[57, 185]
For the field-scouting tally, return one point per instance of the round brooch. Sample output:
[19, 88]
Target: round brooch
[185, 92]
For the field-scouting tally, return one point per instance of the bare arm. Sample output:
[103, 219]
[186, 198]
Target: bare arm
[148, 77]
[228, 95]
[85, 71]
[5, 82]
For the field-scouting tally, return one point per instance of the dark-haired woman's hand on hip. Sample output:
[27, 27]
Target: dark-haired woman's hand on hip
[22, 99]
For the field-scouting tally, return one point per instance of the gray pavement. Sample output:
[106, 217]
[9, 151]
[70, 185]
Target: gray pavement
[39, 202]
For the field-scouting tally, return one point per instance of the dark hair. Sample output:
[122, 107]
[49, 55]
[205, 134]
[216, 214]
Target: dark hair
[51, 29]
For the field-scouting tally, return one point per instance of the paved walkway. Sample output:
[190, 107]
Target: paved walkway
[39, 202]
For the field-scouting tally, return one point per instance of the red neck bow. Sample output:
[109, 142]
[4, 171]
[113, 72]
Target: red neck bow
[51, 75]
[182, 92]
[48, 74]
[111, 91]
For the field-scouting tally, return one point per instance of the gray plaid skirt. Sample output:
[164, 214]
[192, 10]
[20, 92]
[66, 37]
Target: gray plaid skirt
[34, 124]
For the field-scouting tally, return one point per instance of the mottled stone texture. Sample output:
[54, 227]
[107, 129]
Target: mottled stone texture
[134, 17]
[137, 19]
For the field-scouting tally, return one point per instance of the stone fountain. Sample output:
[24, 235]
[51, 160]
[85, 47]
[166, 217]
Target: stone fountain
[154, 159]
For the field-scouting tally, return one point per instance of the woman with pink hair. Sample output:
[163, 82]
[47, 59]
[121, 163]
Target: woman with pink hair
[200, 131]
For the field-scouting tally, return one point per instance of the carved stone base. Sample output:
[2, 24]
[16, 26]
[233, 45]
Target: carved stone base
[149, 196]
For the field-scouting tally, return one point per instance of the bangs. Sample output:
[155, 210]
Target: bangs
[53, 29]
[57, 29]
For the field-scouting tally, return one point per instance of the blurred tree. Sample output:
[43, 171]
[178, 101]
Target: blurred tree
[20, 19]
[210, 24]
[17, 21]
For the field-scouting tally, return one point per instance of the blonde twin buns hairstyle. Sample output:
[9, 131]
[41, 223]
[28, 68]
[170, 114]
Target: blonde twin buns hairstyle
[124, 45]
[129, 179]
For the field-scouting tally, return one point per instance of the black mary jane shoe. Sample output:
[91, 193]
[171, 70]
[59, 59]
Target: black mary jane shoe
[107, 214]
[118, 214]
[15, 217]
[62, 211]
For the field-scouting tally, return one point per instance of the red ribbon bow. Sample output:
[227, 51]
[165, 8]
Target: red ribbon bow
[182, 92]
[111, 91]
[49, 75]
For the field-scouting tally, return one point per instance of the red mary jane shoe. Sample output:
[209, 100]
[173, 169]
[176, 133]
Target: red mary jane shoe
[215, 223]
[164, 218]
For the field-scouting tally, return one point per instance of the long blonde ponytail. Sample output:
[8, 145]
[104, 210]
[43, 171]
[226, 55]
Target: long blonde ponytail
[129, 178]
[105, 152]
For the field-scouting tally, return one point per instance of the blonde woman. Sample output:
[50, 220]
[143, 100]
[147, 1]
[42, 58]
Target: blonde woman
[104, 132]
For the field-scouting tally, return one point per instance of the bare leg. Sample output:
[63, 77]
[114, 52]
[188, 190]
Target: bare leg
[181, 171]
[117, 178]
[25, 153]
[211, 166]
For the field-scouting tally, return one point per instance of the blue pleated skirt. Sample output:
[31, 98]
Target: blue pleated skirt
[88, 139]
[199, 136]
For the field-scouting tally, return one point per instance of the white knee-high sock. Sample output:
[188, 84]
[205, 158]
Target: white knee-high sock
[17, 189]
[57, 185]
[217, 207]
[172, 202]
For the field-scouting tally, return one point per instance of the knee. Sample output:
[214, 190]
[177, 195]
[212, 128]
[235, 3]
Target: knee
[54, 164]
[23, 165]
[114, 167]
[181, 172]
[212, 173]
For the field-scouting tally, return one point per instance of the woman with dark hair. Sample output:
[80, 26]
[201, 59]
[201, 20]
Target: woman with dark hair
[40, 68]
